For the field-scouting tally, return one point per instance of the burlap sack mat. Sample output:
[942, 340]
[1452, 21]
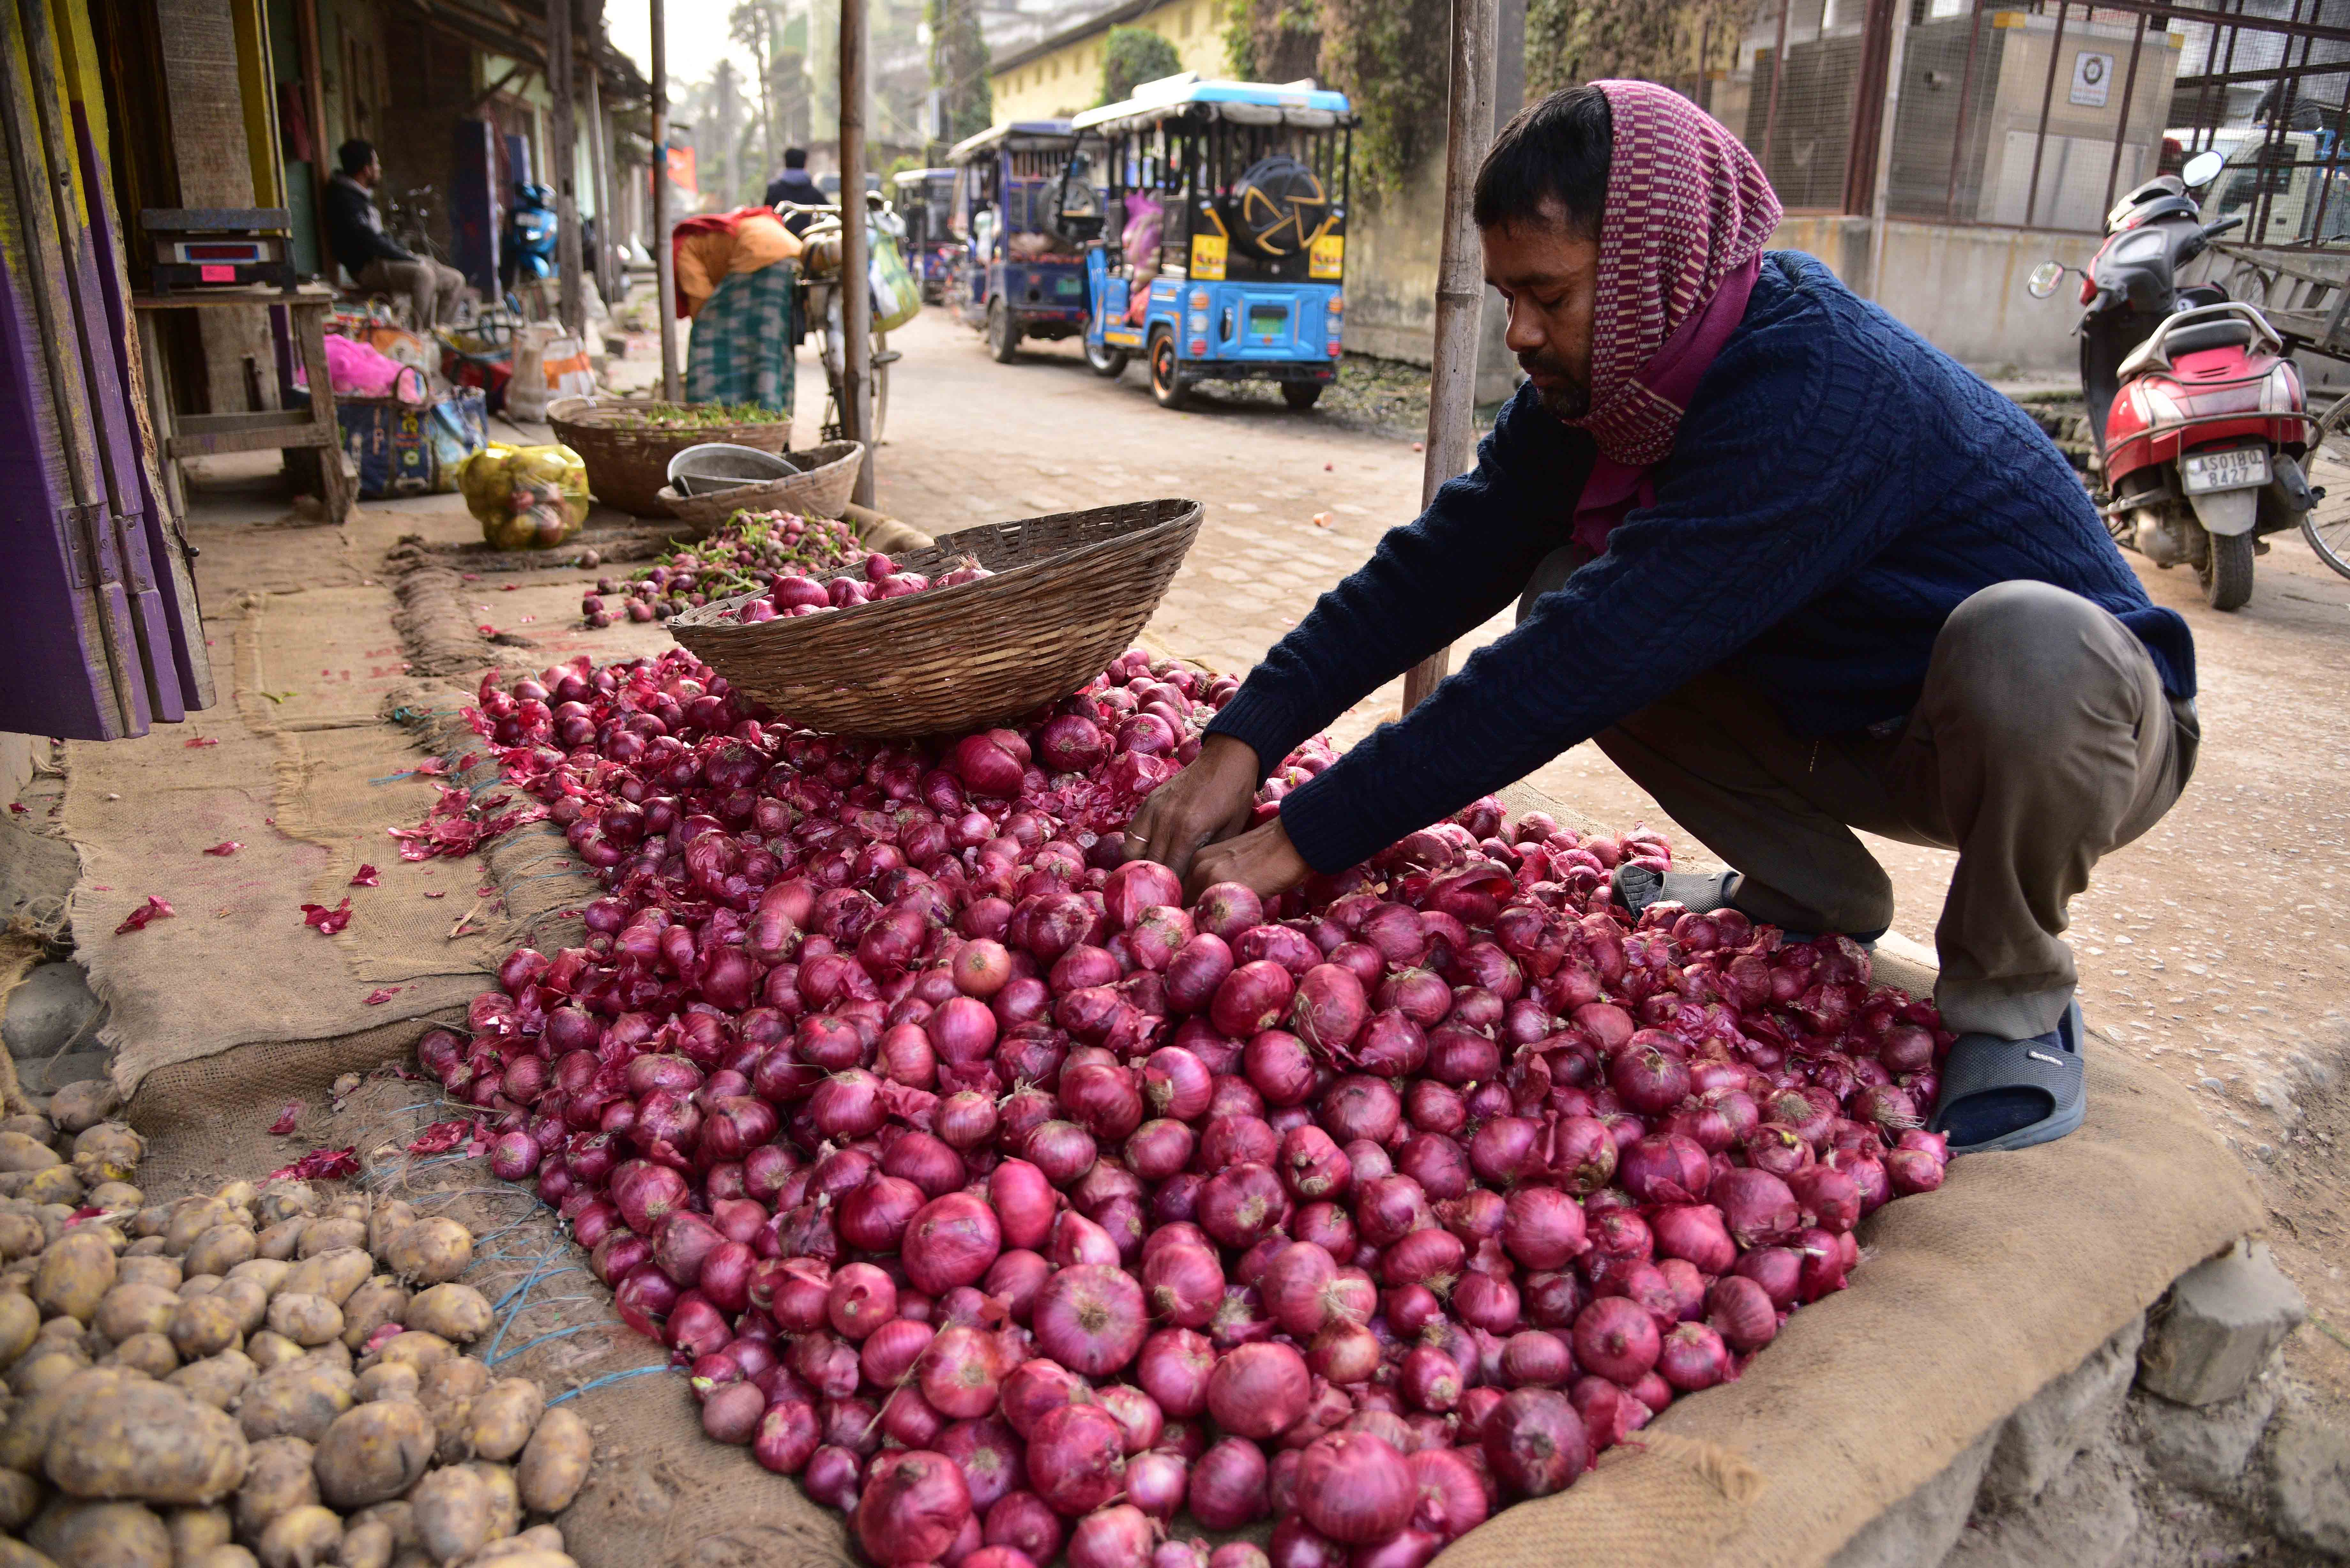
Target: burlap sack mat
[300, 770]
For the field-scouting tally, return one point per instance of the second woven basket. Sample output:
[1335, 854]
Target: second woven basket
[1069, 594]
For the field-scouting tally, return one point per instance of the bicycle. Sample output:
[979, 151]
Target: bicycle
[2327, 526]
[819, 289]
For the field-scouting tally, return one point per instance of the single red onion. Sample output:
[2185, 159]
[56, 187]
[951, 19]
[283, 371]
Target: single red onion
[787, 1435]
[1615, 1338]
[1155, 1484]
[1450, 1500]
[1020, 1520]
[1173, 1367]
[1076, 1458]
[1354, 1488]
[950, 1241]
[1091, 1318]
[913, 1506]
[1259, 1390]
[1118, 1537]
[1535, 1442]
[1227, 1485]
[1183, 1285]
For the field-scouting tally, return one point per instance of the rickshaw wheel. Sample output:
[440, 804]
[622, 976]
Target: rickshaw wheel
[1003, 336]
[1170, 391]
[1106, 360]
[1301, 394]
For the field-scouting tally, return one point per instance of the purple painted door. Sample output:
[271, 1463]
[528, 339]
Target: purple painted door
[98, 626]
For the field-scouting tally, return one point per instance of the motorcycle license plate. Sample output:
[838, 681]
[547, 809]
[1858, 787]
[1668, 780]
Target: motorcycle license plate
[2239, 469]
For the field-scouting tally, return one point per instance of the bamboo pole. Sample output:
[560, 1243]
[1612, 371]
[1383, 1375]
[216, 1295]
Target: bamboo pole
[665, 308]
[1460, 284]
[856, 301]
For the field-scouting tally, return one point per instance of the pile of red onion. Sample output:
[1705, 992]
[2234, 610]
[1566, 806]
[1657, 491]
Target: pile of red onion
[1017, 1207]
[792, 594]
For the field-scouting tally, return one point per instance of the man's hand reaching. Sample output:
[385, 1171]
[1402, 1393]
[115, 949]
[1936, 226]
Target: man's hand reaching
[1263, 859]
[1205, 803]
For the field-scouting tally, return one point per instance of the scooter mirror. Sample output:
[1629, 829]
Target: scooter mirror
[2202, 168]
[2044, 279]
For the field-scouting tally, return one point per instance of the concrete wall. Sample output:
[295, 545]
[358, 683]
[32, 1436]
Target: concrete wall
[1061, 80]
[1392, 250]
[1961, 288]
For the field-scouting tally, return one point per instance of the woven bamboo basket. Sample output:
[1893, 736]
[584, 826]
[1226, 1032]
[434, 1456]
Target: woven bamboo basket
[1069, 594]
[820, 490]
[628, 467]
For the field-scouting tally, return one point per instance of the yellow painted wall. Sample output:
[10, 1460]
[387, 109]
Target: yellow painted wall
[1070, 78]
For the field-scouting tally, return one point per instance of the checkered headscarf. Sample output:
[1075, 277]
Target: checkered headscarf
[1687, 206]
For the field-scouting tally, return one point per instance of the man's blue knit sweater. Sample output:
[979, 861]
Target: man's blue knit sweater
[1837, 488]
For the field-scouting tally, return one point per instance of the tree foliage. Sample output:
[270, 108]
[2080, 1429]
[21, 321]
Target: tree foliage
[959, 61]
[1132, 56]
[1389, 57]
[1571, 41]
[1273, 41]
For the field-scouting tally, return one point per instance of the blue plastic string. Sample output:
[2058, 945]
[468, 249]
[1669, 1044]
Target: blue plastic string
[607, 1377]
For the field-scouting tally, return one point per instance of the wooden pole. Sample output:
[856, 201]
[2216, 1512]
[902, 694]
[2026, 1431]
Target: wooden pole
[665, 309]
[305, 35]
[1460, 284]
[563, 156]
[856, 301]
[598, 172]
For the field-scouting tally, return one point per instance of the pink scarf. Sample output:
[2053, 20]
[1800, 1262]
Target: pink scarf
[1681, 241]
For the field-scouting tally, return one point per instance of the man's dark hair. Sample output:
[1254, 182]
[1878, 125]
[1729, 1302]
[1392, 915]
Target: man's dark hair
[1554, 151]
[794, 157]
[354, 155]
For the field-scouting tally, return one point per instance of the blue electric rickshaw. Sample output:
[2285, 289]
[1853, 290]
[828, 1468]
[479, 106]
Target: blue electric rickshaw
[1027, 202]
[1245, 185]
[925, 201]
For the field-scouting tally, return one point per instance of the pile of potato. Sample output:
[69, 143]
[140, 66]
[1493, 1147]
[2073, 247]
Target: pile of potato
[267, 1377]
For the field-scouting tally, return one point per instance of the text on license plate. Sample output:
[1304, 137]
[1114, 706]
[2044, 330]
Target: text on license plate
[2239, 469]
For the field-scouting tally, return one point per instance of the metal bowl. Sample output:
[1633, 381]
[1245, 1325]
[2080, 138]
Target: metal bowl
[719, 465]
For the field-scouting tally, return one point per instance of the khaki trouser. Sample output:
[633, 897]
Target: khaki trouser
[431, 287]
[2042, 740]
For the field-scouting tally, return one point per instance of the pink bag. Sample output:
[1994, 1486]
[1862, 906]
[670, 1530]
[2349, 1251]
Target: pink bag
[356, 371]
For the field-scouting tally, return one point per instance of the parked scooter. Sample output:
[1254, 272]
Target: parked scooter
[2200, 418]
[530, 239]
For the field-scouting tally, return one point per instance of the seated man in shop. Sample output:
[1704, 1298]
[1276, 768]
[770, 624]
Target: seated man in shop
[373, 258]
[1793, 569]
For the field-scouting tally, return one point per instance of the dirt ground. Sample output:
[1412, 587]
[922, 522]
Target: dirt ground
[2215, 946]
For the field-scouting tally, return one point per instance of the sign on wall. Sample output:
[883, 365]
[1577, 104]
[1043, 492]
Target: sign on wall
[2093, 76]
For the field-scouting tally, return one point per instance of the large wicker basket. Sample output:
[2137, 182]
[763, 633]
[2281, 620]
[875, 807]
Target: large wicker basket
[1069, 594]
[626, 466]
[822, 488]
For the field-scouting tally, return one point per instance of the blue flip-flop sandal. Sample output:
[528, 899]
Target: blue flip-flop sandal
[1988, 1083]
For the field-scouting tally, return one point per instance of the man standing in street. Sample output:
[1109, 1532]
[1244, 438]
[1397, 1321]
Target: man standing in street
[375, 260]
[795, 186]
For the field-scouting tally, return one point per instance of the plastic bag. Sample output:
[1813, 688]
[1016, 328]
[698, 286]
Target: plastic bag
[547, 366]
[357, 371]
[526, 497]
[897, 297]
